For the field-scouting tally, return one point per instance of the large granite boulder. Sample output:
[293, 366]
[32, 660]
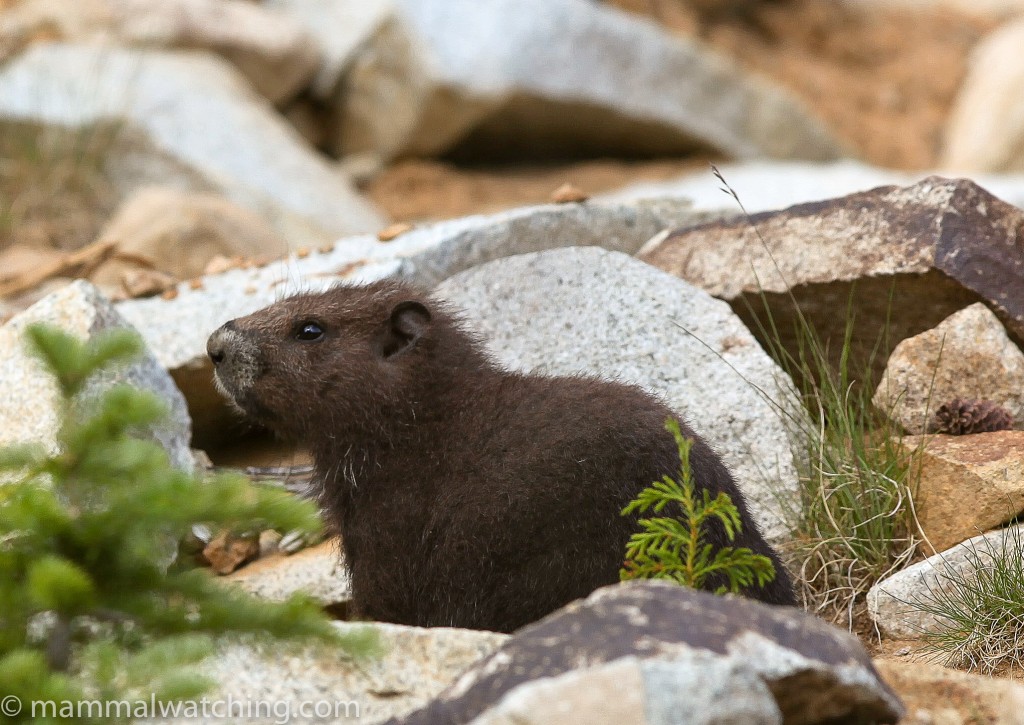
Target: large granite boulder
[654, 653]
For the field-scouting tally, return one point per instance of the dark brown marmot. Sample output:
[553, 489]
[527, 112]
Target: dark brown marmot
[465, 495]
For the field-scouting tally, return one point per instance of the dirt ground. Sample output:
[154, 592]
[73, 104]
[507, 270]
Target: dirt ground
[420, 190]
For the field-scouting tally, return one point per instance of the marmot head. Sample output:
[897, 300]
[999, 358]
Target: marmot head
[349, 358]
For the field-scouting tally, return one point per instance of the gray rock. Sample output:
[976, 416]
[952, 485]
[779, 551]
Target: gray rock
[968, 355]
[29, 410]
[201, 113]
[936, 247]
[177, 329]
[414, 666]
[558, 75]
[273, 51]
[589, 310]
[898, 604]
[656, 653]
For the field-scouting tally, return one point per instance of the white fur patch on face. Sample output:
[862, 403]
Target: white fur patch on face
[237, 373]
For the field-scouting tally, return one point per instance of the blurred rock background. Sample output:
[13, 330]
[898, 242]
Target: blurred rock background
[143, 140]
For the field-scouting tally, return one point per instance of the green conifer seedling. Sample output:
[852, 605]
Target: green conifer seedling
[88, 604]
[676, 548]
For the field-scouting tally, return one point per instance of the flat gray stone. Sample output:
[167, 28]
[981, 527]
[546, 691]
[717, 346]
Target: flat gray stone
[656, 653]
[202, 113]
[29, 411]
[177, 329]
[895, 603]
[559, 75]
[589, 310]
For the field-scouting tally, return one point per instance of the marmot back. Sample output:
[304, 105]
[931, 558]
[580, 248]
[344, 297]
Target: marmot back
[466, 495]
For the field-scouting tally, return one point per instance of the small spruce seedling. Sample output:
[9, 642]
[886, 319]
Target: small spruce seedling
[676, 548]
[88, 606]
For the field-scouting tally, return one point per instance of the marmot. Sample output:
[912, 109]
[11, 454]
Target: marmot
[466, 495]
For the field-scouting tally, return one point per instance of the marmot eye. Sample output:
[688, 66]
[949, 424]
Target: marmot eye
[309, 331]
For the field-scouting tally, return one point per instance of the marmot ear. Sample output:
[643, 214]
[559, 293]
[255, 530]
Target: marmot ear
[409, 320]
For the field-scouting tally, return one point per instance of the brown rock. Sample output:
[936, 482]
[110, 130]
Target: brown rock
[968, 484]
[181, 233]
[227, 552]
[968, 355]
[938, 696]
[935, 247]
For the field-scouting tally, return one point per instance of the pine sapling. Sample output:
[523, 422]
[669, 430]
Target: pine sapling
[677, 548]
[89, 606]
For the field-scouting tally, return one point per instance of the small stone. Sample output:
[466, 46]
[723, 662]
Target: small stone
[170, 294]
[195, 284]
[325, 249]
[218, 264]
[394, 231]
[899, 604]
[227, 552]
[568, 194]
[146, 282]
[302, 252]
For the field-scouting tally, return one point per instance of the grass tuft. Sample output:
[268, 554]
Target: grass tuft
[980, 609]
[855, 523]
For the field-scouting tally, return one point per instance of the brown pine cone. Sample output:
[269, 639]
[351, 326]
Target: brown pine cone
[961, 417]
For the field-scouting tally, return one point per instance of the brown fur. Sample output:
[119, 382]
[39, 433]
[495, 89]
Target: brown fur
[466, 495]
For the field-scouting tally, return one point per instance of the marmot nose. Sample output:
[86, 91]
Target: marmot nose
[218, 345]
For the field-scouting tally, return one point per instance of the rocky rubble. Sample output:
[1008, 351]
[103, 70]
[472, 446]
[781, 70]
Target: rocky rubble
[227, 132]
